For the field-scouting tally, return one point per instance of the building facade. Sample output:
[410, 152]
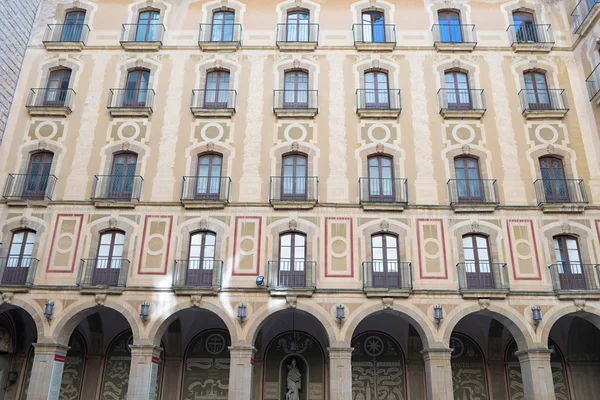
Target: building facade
[303, 200]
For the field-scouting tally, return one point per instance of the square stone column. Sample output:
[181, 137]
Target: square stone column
[240, 372]
[438, 373]
[340, 373]
[46, 371]
[536, 370]
[143, 372]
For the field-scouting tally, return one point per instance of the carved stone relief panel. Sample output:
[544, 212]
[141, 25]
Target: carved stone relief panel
[468, 369]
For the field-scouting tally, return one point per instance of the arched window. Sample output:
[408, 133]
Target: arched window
[147, 26]
[109, 258]
[136, 88]
[449, 22]
[477, 261]
[468, 179]
[525, 27]
[377, 94]
[56, 89]
[222, 26]
[38, 174]
[381, 178]
[457, 90]
[292, 259]
[385, 256]
[298, 25]
[553, 180]
[209, 176]
[216, 94]
[20, 257]
[295, 89]
[73, 24]
[123, 175]
[373, 26]
[294, 177]
[536, 87]
[201, 259]
[568, 258]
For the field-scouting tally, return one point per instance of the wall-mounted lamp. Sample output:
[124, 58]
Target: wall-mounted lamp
[438, 314]
[11, 379]
[537, 315]
[340, 313]
[145, 311]
[49, 310]
[242, 313]
[260, 280]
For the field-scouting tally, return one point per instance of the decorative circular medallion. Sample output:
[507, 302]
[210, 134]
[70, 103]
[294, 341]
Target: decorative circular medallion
[373, 346]
[215, 343]
[457, 347]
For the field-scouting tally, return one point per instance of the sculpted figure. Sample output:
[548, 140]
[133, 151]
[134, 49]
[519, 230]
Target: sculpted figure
[294, 385]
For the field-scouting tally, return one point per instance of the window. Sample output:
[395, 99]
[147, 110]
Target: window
[525, 29]
[122, 175]
[136, 88]
[20, 255]
[295, 89]
[385, 260]
[373, 26]
[294, 177]
[71, 31]
[292, 259]
[38, 173]
[381, 178]
[468, 181]
[553, 178]
[56, 89]
[217, 89]
[450, 29]
[201, 258]
[147, 26]
[109, 258]
[457, 90]
[222, 26]
[477, 262]
[209, 176]
[377, 90]
[568, 258]
[536, 88]
[297, 26]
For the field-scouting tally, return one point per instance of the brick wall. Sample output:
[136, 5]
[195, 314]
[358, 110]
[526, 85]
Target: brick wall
[16, 20]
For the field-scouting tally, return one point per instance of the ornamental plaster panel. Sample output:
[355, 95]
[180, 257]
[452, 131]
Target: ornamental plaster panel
[339, 248]
[431, 245]
[523, 250]
[47, 130]
[155, 245]
[65, 243]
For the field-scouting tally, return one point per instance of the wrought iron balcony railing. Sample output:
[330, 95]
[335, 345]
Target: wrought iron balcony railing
[29, 187]
[387, 275]
[482, 276]
[451, 33]
[543, 100]
[378, 99]
[560, 191]
[297, 33]
[295, 188]
[205, 188]
[117, 187]
[374, 33]
[383, 190]
[50, 98]
[530, 34]
[287, 274]
[581, 12]
[473, 191]
[212, 99]
[66, 33]
[220, 33]
[574, 277]
[593, 83]
[461, 99]
[131, 98]
[18, 270]
[142, 33]
[103, 272]
[198, 273]
[303, 100]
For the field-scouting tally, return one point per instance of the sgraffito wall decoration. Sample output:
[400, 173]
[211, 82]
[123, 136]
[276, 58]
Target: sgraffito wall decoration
[72, 379]
[431, 246]
[156, 243]
[339, 247]
[116, 369]
[65, 242]
[468, 369]
[206, 367]
[378, 369]
[523, 250]
[28, 368]
[246, 246]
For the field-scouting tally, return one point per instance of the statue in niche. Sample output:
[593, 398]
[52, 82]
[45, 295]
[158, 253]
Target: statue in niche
[294, 385]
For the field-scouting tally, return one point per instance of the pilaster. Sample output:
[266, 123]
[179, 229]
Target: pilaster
[143, 372]
[340, 373]
[438, 373]
[47, 371]
[240, 371]
[536, 371]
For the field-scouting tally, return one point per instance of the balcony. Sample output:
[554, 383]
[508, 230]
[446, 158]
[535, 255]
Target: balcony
[483, 280]
[593, 85]
[130, 102]
[66, 37]
[50, 102]
[561, 195]
[220, 37]
[103, 275]
[295, 103]
[584, 15]
[203, 192]
[461, 103]
[549, 103]
[297, 192]
[116, 190]
[34, 189]
[142, 37]
[387, 278]
[447, 37]
[297, 278]
[209, 103]
[531, 38]
[575, 280]
[297, 37]
[473, 195]
[383, 194]
[378, 103]
[17, 272]
[374, 37]
[193, 277]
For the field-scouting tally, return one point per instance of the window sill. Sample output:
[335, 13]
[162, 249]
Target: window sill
[295, 112]
[544, 114]
[297, 46]
[532, 47]
[386, 292]
[378, 113]
[571, 208]
[108, 203]
[141, 46]
[89, 289]
[64, 46]
[63, 111]
[448, 113]
[596, 98]
[200, 204]
[213, 112]
[292, 291]
[293, 204]
[4, 288]
[382, 206]
[196, 290]
[454, 46]
[474, 207]
[577, 294]
[484, 293]
[370, 46]
[588, 22]
[130, 112]
[219, 46]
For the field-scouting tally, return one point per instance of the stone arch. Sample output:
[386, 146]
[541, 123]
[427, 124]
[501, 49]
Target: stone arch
[296, 63]
[308, 149]
[493, 233]
[195, 225]
[396, 228]
[62, 62]
[238, 7]
[587, 311]
[96, 228]
[312, 7]
[567, 155]
[34, 311]
[23, 223]
[397, 154]
[548, 68]
[139, 63]
[472, 150]
[392, 69]
[113, 149]
[136, 8]
[35, 146]
[455, 63]
[536, 8]
[583, 234]
[218, 63]
[463, 8]
[213, 146]
[388, 9]
[299, 225]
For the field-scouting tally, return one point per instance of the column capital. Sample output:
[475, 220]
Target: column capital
[241, 350]
[340, 351]
[145, 350]
[437, 353]
[539, 353]
[50, 348]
